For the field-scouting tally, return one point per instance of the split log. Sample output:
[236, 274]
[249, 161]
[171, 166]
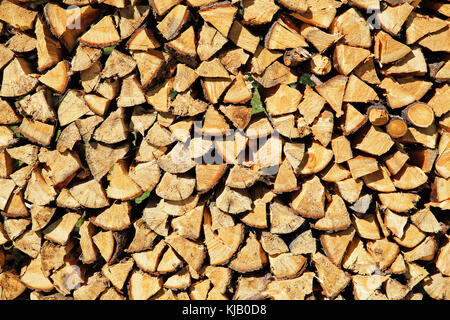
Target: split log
[17, 16]
[420, 115]
[378, 115]
[397, 127]
[17, 79]
[102, 34]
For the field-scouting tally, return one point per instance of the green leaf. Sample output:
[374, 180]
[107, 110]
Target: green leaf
[81, 220]
[18, 164]
[293, 85]
[252, 80]
[141, 198]
[16, 131]
[134, 138]
[306, 80]
[58, 133]
[172, 94]
[107, 50]
[256, 103]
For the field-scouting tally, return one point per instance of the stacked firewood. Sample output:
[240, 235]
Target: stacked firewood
[252, 149]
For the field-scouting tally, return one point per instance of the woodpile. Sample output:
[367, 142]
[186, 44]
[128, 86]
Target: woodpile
[242, 149]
